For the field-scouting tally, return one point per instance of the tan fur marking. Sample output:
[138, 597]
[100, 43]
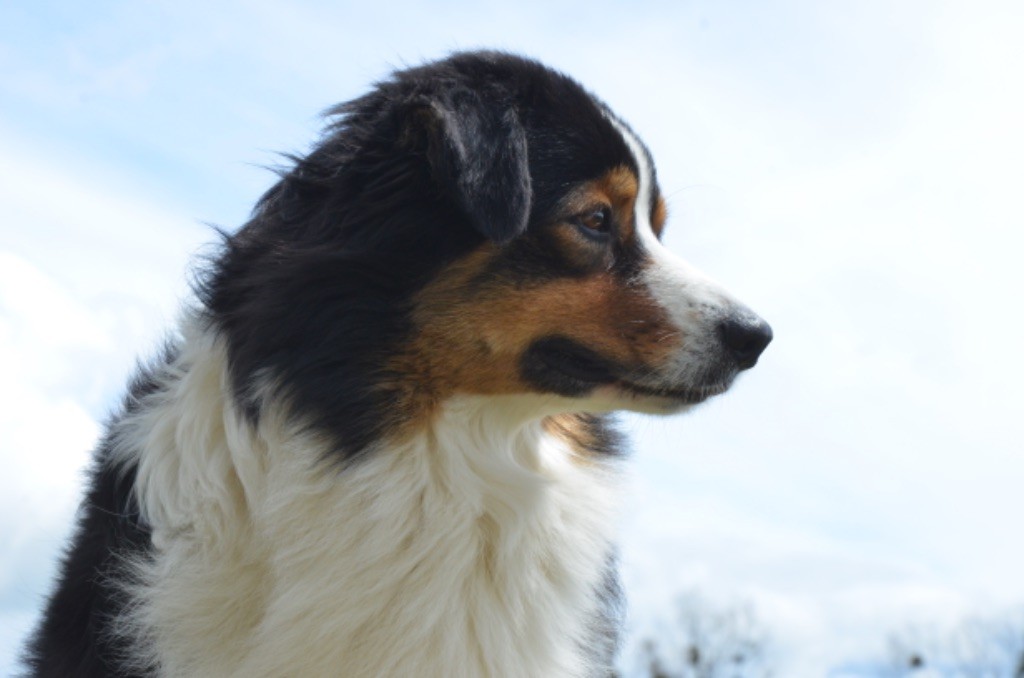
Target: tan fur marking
[617, 189]
[571, 428]
[471, 335]
[622, 187]
[577, 431]
[660, 216]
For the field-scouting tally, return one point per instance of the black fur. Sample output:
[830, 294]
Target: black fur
[566, 367]
[607, 628]
[74, 637]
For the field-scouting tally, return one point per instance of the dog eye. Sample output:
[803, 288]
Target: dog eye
[595, 223]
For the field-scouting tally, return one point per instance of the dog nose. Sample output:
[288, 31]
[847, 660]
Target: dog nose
[745, 336]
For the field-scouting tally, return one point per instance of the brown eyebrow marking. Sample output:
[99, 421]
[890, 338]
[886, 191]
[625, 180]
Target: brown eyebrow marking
[621, 186]
[659, 216]
[617, 188]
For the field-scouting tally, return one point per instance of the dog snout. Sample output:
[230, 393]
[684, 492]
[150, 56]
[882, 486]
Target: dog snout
[745, 336]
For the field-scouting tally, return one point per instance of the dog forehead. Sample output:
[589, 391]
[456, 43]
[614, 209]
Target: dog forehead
[578, 144]
[571, 136]
[614, 168]
[561, 115]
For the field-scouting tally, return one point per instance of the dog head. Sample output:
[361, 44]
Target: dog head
[480, 225]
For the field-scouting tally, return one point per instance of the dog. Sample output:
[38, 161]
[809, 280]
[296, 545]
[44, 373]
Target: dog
[378, 444]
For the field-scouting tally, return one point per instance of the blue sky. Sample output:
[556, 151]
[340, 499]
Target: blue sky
[850, 170]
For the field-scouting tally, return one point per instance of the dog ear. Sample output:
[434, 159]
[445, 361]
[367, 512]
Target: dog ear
[477, 152]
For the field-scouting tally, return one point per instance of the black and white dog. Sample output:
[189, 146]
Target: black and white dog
[377, 446]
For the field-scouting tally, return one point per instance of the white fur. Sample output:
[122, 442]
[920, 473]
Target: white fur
[693, 301]
[473, 548]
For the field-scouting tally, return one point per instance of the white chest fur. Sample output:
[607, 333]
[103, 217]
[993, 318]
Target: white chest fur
[475, 548]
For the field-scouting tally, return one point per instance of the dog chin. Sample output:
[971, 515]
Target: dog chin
[624, 396]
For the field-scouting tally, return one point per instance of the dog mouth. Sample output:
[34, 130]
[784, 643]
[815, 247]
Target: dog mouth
[565, 367]
[683, 396]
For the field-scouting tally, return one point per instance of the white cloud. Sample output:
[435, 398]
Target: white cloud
[88, 285]
[45, 338]
[13, 626]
